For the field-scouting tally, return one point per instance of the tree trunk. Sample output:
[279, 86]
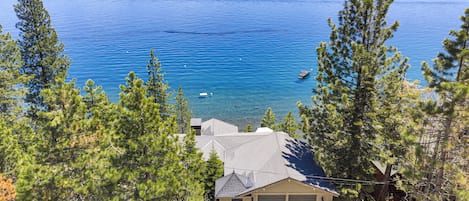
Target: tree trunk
[444, 154]
[384, 190]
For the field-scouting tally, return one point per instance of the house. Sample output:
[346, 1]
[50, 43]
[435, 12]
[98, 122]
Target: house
[263, 165]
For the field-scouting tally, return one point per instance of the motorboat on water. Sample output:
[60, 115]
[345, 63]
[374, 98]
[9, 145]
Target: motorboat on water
[304, 74]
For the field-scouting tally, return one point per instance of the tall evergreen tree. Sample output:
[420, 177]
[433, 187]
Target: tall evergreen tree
[183, 114]
[60, 134]
[15, 133]
[269, 118]
[214, 170]
[194, 169]
[447, 170]
[11, 150]
[41, 51]
[399, 123]
[342, 123]
[289, 124]
[149, 161]
[157, 86]
[93, 178]
[11, 81]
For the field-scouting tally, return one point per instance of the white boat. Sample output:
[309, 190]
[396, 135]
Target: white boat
[203, 94]
[304, 74]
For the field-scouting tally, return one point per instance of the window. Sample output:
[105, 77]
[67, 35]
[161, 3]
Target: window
[301, 197]
[271, 198]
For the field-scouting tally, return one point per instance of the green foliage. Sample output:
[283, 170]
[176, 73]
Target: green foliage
[13, 128]
[194, 169]
[41, 52]
[83, 147]
[214, 170]
[11, 90]
[183, 114]
[399, 122]
[269, 118]
[442, 165]
[11, 150]
[249, 128]
[148, 163]
[67, 144]
[289, 124]
[156, 85]
[343, 125]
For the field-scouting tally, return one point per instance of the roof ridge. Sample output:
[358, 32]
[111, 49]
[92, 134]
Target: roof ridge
[281, 154]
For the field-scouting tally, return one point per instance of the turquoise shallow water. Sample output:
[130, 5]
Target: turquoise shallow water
[246, 52]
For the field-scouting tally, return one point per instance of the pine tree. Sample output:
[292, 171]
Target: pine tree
[289, 124]
[15, 134]
[156, 85]
[399, 122]
[11, 81]
[61, 141]
[41, 51]
[194, 168]
[10, 149]
[183, 114]
[149, 162]
[447, 170]
[269, 118]
[214, 170]
[17, 142]
[94, 177]
[342, 124]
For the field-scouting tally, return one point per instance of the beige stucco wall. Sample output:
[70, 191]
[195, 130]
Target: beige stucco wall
[229, 199]
[289, 186]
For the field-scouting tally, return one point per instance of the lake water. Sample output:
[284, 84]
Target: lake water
[248, 53]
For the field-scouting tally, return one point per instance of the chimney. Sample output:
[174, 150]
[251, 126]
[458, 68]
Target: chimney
[196, 124]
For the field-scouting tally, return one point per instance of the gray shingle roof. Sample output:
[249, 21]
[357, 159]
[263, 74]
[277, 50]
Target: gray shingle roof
[231, 185]
[217, 127]
[263, 158]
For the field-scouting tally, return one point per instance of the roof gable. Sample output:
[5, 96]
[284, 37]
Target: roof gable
[217, 127]
[294, 186]
[231, 185]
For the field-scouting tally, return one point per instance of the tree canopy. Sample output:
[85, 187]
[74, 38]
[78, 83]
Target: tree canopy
[41, 52]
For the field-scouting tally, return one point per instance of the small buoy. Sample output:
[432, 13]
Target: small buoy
[240, 59]
[185, 65]
[126, 51]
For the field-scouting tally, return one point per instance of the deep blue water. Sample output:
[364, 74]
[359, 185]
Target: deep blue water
[246, 52]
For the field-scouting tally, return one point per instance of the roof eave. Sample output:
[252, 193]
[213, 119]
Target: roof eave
[334, 193]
